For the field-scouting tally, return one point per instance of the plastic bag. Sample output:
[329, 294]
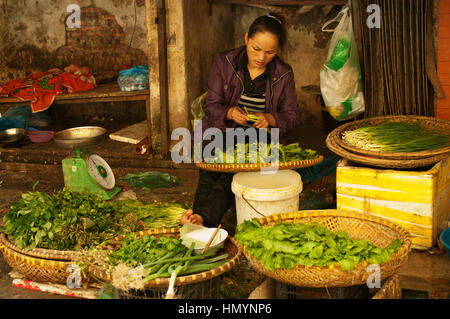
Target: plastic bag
[197, 106]
[340, 76]
[134, 79]
[150, 180]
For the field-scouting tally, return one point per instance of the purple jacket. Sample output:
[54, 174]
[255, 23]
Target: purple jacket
[226, 85]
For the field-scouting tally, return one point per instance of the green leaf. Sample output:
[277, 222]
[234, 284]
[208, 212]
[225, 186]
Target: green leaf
[347, 264]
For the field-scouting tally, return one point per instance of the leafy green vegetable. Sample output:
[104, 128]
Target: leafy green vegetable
[261, 153]
[70, 220]
[286, 245]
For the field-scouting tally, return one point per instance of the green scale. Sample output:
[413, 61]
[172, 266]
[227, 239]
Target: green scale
[86, 171]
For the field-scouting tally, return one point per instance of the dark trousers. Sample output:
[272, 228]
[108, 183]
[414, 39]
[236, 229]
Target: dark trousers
[213, 196]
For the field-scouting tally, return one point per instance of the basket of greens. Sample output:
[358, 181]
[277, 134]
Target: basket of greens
[402, 137]
[156, 258]
[254, 156]
[326, 248]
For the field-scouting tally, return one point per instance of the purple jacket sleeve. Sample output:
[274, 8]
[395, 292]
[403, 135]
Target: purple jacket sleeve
[215, 105]
[287, 114]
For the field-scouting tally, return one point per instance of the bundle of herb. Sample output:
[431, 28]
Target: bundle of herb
[286, 245]
[152, 215]
[390, 136]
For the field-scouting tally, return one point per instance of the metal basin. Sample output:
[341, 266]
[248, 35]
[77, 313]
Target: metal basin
[12, 135]
[79, 137]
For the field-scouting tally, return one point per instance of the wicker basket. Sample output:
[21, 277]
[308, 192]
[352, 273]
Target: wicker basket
[231, 247]
[378, 231]
[253, 167]
[438, 125]
[38, 269]
[67, 255]
[381, 162]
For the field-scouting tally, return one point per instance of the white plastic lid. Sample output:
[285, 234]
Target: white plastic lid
[280, 185]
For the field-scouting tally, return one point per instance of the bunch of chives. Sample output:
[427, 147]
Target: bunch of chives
[393, 137]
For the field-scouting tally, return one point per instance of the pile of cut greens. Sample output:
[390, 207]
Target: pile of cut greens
[71, 220]
[65, 221]
[260, 153]
[286, 245]
[164, 257]
[390, 136]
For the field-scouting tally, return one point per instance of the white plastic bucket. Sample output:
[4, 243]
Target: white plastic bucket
[267, 193]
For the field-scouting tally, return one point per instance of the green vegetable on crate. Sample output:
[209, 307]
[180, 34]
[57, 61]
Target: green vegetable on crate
[286, 245]
[390, 136]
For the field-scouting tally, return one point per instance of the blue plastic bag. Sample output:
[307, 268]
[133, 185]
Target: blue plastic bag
[134, 79]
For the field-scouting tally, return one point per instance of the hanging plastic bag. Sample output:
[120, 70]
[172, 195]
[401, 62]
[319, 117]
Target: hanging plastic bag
[134, 79]
[197, 108]
[150, 180]
[340, 76]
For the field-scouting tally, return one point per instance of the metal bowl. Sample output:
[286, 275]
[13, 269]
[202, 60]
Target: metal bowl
[79, 137]
[12, 135]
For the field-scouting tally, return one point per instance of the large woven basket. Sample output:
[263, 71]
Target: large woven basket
[68, 255]
[381, 162]
[231, 247]
[38, 269]
[253, 167]
[378, 231]
[428, 123]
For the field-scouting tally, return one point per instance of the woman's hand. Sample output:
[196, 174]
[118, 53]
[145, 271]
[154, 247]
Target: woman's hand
[265, 120]
[190, 217]
[236, 114]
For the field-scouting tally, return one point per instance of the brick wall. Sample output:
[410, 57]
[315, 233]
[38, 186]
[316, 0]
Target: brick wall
[100, 44]
[443, 67]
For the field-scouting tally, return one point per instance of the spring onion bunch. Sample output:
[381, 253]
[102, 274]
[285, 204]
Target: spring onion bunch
[393, 137]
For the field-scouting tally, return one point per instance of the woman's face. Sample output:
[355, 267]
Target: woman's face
[261, 49]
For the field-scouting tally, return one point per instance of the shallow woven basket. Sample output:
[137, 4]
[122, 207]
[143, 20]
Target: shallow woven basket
[68, 255]
[253, 167]
[382, 162]
[38, 269]
[437, 125]
[231, 247]
[378, 231]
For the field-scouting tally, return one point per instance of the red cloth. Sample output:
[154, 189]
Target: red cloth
[42, 88]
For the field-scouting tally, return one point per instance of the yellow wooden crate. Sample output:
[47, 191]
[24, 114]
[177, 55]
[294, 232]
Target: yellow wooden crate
[417, 200]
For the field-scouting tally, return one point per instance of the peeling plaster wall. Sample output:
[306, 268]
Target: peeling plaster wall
[206, 35]
[33, 31]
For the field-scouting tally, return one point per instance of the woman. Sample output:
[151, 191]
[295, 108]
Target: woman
[254, 78]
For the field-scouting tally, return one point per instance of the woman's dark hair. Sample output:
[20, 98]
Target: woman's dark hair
[273, 23]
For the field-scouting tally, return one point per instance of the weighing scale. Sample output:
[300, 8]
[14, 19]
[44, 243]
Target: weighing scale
[86, 171]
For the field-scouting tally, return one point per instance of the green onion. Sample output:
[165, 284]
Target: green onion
[393, 137]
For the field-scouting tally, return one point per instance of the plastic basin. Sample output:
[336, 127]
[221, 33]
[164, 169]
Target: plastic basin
[40, 136]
